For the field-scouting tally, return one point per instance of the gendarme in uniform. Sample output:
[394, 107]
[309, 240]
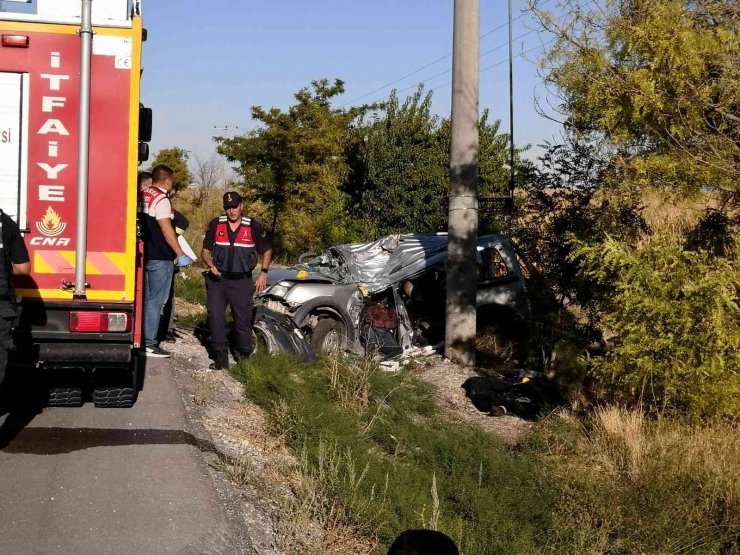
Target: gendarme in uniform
[231, 247]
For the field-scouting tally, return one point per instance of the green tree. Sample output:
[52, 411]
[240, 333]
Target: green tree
[399, 166]
[675, 327]
[399, 171]
[659, 79]
[565, 201]
[494, 172]
[656, 85]
[177, 159]
[292, 167]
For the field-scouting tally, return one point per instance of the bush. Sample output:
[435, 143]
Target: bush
[675, 329]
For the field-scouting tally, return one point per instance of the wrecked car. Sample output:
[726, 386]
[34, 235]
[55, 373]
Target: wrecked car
[390, 294]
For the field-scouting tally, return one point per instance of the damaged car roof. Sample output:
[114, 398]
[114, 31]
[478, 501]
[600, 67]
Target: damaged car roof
[381, 263]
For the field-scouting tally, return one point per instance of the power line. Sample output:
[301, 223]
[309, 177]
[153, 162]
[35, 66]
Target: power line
[502, 45]
[397, 80]
[501, 62]
[482, 70]
[543, 45]
[422, 68]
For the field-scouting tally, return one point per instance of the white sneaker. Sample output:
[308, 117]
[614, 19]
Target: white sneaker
[157, 352]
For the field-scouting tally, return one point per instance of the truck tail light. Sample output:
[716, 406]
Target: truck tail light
[15, 41]
[90, 321]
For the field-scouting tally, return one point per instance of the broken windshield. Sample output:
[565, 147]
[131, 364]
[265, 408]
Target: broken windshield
[329, 264]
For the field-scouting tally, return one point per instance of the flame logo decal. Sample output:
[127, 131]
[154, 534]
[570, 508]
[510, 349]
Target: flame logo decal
[51, 223]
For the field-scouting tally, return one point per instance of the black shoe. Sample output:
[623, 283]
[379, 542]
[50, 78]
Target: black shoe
[220, 361]
[157, 352]
[171, 337]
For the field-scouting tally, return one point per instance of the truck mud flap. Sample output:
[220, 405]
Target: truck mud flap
[278, 333]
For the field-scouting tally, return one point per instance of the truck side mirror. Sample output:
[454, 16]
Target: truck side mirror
[143, 152]
[145, 124]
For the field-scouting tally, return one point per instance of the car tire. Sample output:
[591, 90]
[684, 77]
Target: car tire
[328, 336]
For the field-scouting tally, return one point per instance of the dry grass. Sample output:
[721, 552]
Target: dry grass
[349, 380]
[621, 443]
[198, 216]
[239, 470]
[670, 217]
[314, 522]
[494, 353]
[618, 469]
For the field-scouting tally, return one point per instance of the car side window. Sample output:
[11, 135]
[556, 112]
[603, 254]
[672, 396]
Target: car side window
[493, 265]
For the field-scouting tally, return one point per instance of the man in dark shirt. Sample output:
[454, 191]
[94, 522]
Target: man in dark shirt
[230, 249]
[13, 261]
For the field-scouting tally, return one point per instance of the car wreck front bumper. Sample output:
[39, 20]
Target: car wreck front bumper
[278, 333]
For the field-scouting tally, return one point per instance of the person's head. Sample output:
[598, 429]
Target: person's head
[144, 180]
[233, 205]
[162, 177]
[423, 542]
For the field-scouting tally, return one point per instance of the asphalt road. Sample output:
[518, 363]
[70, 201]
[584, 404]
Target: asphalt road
[87, 480]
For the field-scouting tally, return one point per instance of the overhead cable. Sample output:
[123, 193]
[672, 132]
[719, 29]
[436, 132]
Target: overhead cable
[422, 68]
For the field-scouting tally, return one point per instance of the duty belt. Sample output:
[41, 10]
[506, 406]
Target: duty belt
[236, 275]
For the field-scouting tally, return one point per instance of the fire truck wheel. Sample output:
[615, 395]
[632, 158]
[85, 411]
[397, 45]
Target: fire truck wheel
[114, 397]
[115, 388]
[64, 397]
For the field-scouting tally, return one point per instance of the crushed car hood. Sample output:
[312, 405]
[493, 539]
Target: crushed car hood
[295, 273]
[385, 261]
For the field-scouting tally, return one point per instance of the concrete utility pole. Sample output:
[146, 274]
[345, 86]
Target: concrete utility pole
[463, 215]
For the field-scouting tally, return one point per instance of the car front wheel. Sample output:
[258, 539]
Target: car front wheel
[328, 336]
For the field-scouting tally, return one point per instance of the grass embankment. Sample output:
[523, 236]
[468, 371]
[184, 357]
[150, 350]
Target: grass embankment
[375, 455]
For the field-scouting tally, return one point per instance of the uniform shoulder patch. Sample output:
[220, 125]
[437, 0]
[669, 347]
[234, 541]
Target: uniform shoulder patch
[222, 218]
[246, 221]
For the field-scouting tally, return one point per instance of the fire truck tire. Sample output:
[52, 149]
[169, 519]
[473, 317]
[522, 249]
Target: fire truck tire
[64, 397]
[116, 388]
[114, 397]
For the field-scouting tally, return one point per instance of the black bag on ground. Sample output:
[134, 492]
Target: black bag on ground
[497, 397]
[382, 342]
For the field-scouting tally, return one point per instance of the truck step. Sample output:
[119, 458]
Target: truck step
[114, 397]
[64, 397]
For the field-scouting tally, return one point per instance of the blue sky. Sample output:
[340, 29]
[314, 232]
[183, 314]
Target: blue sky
[206, 63]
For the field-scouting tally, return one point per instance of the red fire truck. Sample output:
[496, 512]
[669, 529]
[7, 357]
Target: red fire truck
[72, 133]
